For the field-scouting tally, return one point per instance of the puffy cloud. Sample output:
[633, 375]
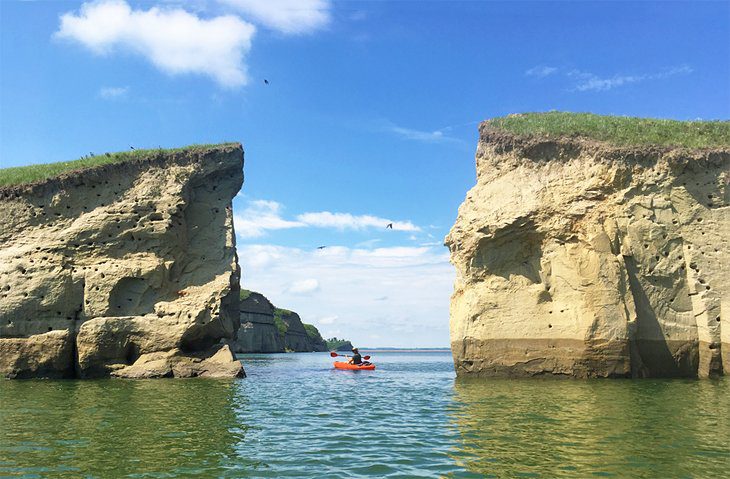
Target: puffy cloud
[172, 39]
[261, 216]
[304, 286]
[286, 16]
[400, 293]
[342, 221]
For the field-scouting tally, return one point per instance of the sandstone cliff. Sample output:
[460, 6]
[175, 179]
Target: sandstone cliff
[267, 329]
[126, 269]
[583, 259]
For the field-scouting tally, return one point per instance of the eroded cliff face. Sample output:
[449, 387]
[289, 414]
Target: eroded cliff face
[127, 269]
[580, 259]
[258, 332]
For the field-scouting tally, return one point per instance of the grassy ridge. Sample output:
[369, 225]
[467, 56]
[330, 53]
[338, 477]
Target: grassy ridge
[619, 130]
[28, 174]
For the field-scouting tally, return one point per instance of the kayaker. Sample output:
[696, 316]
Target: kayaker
[356, 358]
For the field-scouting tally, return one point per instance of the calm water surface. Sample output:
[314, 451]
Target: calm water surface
[294, 416]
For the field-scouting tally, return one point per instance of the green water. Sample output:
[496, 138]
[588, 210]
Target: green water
[296, 417]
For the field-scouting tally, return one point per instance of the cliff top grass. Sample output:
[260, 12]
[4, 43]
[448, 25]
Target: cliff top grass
[618, 130]
[312, 331]
[20, 175]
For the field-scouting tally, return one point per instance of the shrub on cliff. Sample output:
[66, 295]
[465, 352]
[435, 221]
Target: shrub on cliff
[335, 344]
[312, 331]
[279, 322]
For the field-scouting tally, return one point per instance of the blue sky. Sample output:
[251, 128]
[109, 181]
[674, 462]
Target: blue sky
[370, 117]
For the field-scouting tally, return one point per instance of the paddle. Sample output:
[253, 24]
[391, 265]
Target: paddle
[334, 355]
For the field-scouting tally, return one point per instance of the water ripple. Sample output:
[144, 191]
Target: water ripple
[294, 416]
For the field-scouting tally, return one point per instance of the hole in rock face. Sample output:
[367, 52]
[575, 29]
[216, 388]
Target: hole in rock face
[50, 328]
[550, 325]
[707, 287]
[717, 319]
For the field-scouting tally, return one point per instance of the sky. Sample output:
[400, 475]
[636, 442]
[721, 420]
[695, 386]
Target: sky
[369, 117]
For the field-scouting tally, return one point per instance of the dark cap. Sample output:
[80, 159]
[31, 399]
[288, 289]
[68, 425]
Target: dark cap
[354, 350]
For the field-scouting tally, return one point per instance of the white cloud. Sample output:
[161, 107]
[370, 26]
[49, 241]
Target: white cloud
[587, 81]
[435, 136]
[286, 16]
[304, 286]
[541, 71]
[172, 39]
[342, 221]
[400, 293]
[261, 216]
[327, 319]
[110, 93]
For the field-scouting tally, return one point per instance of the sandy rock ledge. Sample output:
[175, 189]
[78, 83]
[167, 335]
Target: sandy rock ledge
[127, 269]
[579, 259]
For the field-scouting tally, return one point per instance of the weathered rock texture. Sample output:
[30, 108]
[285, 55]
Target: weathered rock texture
[259, 332]
[127, 269]
[580, 259]
[296, 338]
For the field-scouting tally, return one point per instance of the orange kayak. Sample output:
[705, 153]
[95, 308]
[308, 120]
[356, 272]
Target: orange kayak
[354, 367]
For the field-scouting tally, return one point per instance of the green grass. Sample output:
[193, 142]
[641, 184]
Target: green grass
[334, 343]
[312, 331]
[619, 130]
[28, 174]
[279, 313]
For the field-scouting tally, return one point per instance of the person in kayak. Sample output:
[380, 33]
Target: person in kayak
[356, 358]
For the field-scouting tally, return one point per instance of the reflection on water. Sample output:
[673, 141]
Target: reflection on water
[109, 428]
[548, 428]
[295, 416]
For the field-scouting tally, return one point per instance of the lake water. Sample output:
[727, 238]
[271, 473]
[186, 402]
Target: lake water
[294, 416]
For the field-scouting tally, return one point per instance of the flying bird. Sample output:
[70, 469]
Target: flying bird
[266, 82]
[131, 147]
[321, 247]
[390, 225]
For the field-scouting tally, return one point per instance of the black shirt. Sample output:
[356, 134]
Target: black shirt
[356, 358]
